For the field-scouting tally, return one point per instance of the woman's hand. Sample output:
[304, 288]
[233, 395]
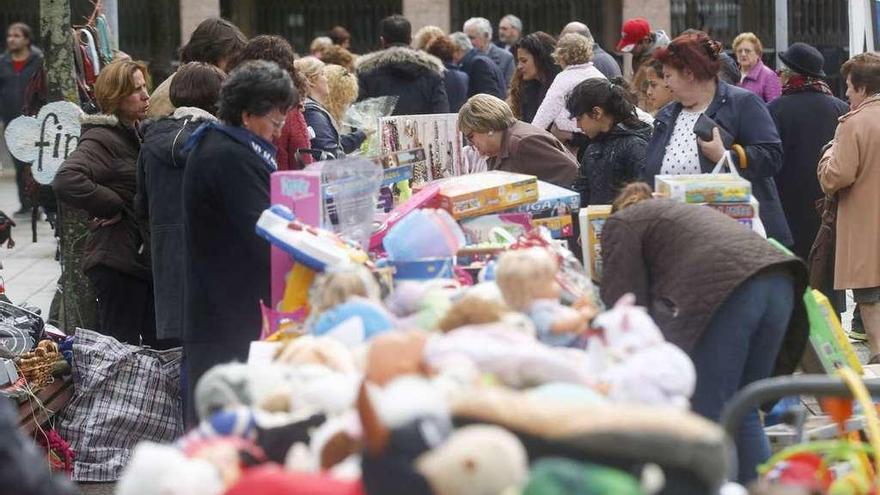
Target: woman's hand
[714, 149]
[106, 222]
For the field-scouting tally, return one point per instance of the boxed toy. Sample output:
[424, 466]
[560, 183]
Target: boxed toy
[740, 210]
[704, 188]
[592, 219]
[479, 230]
[555, 209]
[302, 192]
[488, 192]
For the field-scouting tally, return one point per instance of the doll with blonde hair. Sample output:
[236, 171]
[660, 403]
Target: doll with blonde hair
[527, 279]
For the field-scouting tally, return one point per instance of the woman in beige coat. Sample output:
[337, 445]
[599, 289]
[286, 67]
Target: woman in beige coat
[851, 169]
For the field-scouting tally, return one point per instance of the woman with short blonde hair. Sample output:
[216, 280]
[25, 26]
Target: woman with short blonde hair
[573, 53]
[343, 90]
[425, 36]
[511, 145]
[320, 118]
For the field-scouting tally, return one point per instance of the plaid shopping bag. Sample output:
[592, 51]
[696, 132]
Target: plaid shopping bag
[124, 394]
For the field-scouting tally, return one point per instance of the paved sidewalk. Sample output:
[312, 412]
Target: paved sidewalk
[29, 269]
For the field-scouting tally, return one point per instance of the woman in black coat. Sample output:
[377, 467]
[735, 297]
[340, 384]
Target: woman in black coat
[225, 190]
[615, 154]
[456, 79]
[161, 164]
[806, 115]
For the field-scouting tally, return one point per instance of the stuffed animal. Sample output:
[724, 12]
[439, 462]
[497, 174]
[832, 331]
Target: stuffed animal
[163, 470]
[324, 351]
[421, 304]
[353, 322]
[398, 429]
[636, 363]
[528, 281]
[471, 310]
[396, 354]
[475, 460]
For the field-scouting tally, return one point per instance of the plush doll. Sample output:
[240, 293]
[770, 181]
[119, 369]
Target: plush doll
[476, 460]
[559, 475]
[471, 310]
[636, 363]
[421, 304]
[324, 351]
[338, 286]
[163, 470]
[528, 281]
[396, 430]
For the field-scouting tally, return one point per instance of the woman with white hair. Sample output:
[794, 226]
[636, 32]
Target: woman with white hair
[574, 54]
[512, 145]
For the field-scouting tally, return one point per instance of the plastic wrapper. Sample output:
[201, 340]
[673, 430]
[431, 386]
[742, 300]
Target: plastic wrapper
[364, 115]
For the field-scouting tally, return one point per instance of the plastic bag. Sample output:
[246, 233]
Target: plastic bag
[364, 115]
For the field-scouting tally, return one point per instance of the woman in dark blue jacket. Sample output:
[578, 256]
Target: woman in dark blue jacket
[225, 190]
[455, 77]
[323, 128]
[690, 64]
[159, 200]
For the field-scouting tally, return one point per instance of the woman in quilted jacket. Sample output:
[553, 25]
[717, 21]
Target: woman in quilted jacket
[100, 178]
[727, 297]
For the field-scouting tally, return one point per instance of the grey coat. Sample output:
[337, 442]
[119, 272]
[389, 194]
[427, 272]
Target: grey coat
[504, 60]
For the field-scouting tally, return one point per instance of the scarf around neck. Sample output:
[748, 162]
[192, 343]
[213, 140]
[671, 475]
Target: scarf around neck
[262, 148]
[798, 83]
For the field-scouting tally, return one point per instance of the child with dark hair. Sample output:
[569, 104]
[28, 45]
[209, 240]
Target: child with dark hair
[617, 139]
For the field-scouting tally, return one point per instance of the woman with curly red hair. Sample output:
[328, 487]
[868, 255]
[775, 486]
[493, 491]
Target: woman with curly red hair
[690, 67]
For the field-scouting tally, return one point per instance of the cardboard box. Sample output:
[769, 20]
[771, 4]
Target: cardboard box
[738, 210]
[488, 192]
[704, 188]
[302, 192]
[478, 230]
[592, 219]
[555, 209]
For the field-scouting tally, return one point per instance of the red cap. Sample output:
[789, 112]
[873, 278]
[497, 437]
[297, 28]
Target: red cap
[633, 31]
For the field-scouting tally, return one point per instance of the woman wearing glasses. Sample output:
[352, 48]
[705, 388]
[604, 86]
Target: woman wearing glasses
[225, 190]
[512, 145]
[756, 77]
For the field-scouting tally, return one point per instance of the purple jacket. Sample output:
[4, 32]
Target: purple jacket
[762, 81]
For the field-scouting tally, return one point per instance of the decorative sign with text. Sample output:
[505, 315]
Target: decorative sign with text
[46, 140]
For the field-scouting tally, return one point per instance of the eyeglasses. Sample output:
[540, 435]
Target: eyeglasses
[278, 124]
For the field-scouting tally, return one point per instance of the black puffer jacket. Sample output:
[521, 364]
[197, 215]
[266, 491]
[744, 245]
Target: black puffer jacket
[611, 161]
[159, 204]
[415, 77]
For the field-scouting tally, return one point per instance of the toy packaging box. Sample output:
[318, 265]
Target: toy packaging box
[480, 230]
[742, 210]
[302, 192]
[488, 192]
[704, 188]
[555, 209]
[592, 219]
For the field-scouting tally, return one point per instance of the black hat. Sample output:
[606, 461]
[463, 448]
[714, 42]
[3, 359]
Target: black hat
[804, 59]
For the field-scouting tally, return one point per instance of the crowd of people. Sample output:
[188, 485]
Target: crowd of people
[177, 178]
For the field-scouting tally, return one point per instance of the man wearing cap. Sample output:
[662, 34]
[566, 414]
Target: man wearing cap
[806, 115]
[637, 43]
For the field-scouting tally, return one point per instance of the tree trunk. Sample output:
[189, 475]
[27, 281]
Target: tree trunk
[78, 306]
